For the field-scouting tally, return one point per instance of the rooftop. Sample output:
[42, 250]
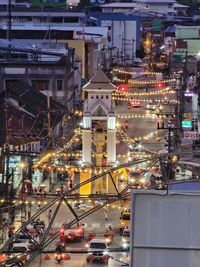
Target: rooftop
[99, 81]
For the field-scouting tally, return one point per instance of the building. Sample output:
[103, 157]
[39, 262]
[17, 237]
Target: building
[50, 71]
[190, 37]
[164, 7]
[57, 26]
[123, 36]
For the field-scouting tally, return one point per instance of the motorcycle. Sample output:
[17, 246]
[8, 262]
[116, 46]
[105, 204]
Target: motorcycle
[58, 258]
[109, 235]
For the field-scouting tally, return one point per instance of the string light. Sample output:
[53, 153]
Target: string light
[158, 92]
[117, 70]
[134, 81]
[136, 116]
[124, 98]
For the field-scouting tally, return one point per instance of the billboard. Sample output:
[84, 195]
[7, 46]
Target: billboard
[165, 230]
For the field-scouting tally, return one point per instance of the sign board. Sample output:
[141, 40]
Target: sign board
[191, 135]
[188, 116]
[187, 124]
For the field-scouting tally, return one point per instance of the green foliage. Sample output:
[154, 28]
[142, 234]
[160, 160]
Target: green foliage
[84, 4]
[189, 2]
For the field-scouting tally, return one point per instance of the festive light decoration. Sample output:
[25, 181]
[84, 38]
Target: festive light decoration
[136, 116]
[159, 92]
[142, 82]
[117, 70]
[124, 98]
[59, 152]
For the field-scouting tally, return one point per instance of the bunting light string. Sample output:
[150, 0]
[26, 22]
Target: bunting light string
[134, 81]
[131, 141]
[120, 71]
[44, 202]
[124, 98]
[59, 153]
[136, 116]
[159, 92]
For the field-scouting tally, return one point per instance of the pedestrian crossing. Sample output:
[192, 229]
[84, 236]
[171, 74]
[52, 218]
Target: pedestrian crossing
[87, 225]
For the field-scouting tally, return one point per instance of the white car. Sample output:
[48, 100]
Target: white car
[151, 106]
[126, 238]
[98, 251]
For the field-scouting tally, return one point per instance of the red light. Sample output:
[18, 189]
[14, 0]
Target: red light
[160, 85]
[79, 230]
[62, 230]
[122, 88]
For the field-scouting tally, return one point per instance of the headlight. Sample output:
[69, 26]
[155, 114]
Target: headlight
[124, 245]
[105, 253]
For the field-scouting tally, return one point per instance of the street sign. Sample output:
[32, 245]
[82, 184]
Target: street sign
[187, 124]
[191, 135]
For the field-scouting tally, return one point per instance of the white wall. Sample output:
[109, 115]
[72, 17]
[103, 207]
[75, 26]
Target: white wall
[162, 223]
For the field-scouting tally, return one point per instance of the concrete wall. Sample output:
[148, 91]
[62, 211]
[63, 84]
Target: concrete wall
[165, 229]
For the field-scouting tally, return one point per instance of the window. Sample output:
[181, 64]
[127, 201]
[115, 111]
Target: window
[92, 97]
[71, 20]
[40, 85]
[97, 97]
[107, 97]
[10, 83]
[147, 6]
[59, 85]
[102, 97]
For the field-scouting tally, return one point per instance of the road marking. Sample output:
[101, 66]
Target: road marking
[96, 225]
[107, 225]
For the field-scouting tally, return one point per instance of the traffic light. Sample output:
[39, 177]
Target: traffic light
[122, 88]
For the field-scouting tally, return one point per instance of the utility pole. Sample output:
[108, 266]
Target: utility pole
[169, 166]
[9, 21]
[49, 115]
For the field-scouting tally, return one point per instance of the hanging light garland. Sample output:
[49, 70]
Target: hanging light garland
[159, 92]
[59, 152]
[120, 71]
[124, 98]
[131, 141]
[136, 116]
[134, 81]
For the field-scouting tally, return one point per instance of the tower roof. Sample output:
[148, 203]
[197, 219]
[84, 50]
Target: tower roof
[99, 81]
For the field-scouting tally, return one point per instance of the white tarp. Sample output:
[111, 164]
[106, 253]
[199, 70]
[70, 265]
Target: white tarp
[166, 229]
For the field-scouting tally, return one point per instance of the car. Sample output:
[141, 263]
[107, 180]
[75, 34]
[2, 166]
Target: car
[19, 247]
[124, 220]
[134, 104]
[151, 106]
[72, 234]
[126, 238]
[97, 251]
